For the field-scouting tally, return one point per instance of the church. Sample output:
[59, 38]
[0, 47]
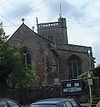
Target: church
[49, 52]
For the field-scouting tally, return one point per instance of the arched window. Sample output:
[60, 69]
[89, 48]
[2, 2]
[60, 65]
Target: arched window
[75, 66]
[26, 55]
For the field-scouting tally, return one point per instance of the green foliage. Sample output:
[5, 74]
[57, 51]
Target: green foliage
[12, 70]
[84, 77]
[23, 77]
[6, 56]
[96, 71]
[3, 37]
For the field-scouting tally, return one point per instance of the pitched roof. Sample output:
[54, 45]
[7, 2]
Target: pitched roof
[25, 27]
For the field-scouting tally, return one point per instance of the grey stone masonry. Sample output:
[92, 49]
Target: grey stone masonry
[55, 31]
[51, 54]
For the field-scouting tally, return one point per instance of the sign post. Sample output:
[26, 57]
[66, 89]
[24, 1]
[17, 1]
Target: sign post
[90, 83]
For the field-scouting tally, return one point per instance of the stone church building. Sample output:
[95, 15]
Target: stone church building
[50, 53]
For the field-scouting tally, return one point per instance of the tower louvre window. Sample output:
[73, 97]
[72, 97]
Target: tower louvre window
[50, 38]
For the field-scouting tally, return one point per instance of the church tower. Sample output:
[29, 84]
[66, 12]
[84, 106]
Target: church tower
[54, 31]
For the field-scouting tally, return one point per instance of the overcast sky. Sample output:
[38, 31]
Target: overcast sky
[83, 18]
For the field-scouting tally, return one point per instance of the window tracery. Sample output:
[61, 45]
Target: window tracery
[26, 56]
[75, 66]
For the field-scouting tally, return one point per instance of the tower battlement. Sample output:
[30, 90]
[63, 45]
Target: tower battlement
[61, 23]
[54, 31]
[46, 25]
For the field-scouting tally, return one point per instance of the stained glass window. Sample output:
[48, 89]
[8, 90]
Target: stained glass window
[75, 66]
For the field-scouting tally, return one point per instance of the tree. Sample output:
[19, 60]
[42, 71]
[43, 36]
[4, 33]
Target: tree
[84, 77]
[23, 76]
[5, 56]
[3, 37]
[6, 60]
[96, 71]
[12, 71]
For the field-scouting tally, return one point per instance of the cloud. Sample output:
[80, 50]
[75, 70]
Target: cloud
[68, 9]
[83, 18]
[93, 9]
[14, 9]
[96, 51]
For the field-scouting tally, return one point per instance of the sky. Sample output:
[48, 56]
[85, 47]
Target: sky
[82, 16]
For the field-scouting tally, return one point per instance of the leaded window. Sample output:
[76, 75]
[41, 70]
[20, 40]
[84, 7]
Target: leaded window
[26, 56]
[75, 66]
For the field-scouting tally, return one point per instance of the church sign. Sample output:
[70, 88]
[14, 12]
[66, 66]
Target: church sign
[72, 87]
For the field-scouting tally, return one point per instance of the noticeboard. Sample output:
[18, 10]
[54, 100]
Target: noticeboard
[72, 87]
